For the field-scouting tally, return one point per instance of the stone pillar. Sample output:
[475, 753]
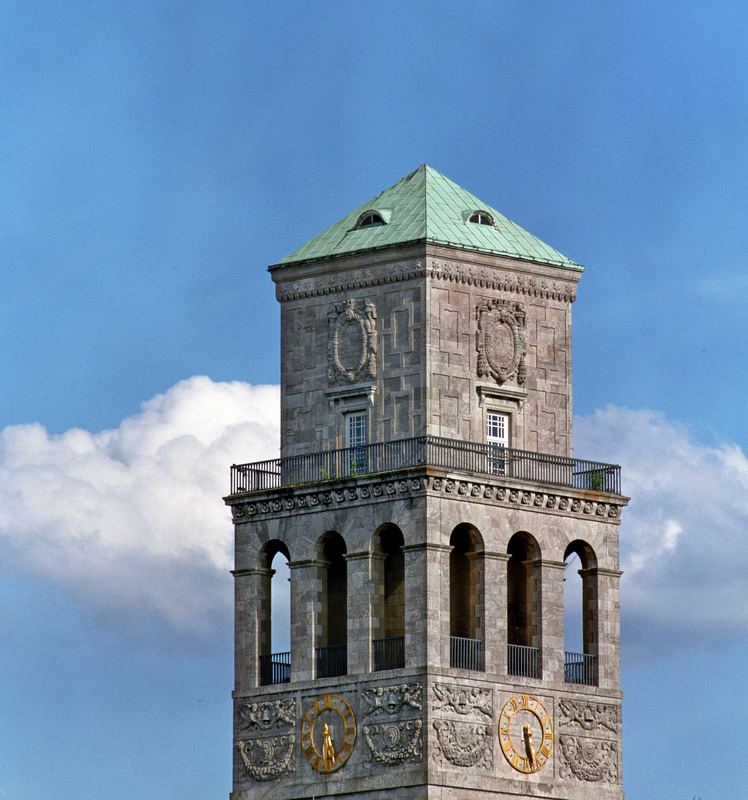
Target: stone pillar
[551, 575]
[359, 613]
[609, 628]
[494, 616]
[307, 581]
[426, 605]
[249, 586]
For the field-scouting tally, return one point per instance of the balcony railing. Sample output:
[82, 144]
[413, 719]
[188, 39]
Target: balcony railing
[434, 451]
[523, 661]
[275, 668]
[466, 653]
[580, 668]
[332, 660]
[389, 653]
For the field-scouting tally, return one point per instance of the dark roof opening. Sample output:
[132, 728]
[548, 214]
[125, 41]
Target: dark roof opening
[370, 218]
[481, 218]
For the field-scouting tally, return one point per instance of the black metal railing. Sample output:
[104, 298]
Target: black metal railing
[523, 661]
[275, 668]
[580, 668]
[435, 451]
[389, 653]
[466, 653]
[332, 660]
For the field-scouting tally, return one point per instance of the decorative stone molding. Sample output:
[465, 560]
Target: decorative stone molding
[462, 700]
[391, 700]
[591, 760]
[266, 715]
[269, 758]
[350, 280]
[393, 743]
[352, 327]
[490, 493]
[463, 744]
[590, 717]
[487, 278]
[482, 277]
[501, 342]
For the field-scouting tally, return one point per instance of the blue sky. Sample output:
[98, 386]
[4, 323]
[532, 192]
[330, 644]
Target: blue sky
[157, 156]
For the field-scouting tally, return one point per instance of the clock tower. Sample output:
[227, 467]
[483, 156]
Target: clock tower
[427, 501]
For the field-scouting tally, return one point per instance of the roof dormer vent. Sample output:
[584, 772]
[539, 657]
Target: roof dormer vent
[481, 218]
[370, 218]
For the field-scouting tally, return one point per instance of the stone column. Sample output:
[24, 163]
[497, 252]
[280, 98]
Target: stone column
[249, 587]
[495, 613]
[609, 628]
[359, 613]
[426, 605]
[552, 628]
[306, 608]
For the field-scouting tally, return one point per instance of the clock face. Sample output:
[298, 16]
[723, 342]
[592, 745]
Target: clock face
[525, 733]
[328, 732]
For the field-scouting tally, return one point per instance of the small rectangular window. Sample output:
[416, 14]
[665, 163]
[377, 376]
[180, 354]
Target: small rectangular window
[497, 435]
[356, 430]
[497, 429]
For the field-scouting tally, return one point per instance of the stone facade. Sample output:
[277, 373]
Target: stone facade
[410, 336]
[426, 340]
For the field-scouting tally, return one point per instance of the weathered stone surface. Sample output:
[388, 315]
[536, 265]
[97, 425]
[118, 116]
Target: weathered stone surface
[424, 340]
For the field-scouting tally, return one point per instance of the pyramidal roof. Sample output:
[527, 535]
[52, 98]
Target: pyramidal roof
[426, 206]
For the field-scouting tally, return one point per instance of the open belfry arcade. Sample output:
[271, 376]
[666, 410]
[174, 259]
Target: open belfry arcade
[426, 499]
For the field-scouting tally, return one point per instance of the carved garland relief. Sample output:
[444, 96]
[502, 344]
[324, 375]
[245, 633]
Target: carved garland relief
[267, 757]
[462, 700]
[501, 341]
[352, 342]
[590, 760]
[463, 744]
[393, 741]
[583, 757]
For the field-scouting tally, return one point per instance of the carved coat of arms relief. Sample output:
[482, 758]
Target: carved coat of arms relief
[501, 341]
[352, 342]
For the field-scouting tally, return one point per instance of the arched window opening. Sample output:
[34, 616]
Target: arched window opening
[466, 598]
[524, 606]
[275, 622]
[481, 218]
[389, 612]
[580, 614]
[370, 218]
[332, 652]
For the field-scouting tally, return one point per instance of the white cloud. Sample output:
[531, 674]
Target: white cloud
[683, 537]
[130, 521]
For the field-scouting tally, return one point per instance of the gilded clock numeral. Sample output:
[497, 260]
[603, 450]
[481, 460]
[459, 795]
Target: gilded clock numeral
[515, 734]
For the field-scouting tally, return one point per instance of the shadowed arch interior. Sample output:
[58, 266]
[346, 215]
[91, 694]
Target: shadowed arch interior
[524, 622]
[466, 595]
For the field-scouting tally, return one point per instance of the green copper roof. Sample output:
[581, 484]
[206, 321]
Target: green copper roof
[427, 206]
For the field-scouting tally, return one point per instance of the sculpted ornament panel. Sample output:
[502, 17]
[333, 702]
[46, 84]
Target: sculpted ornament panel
[588, 717]
[392, 743]
[463, 744]
[352, 343]
[501, 341]
[391, 700]
[266, 715]
[590, 760]
[328, 733]
[462, 700]
[269, 758]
